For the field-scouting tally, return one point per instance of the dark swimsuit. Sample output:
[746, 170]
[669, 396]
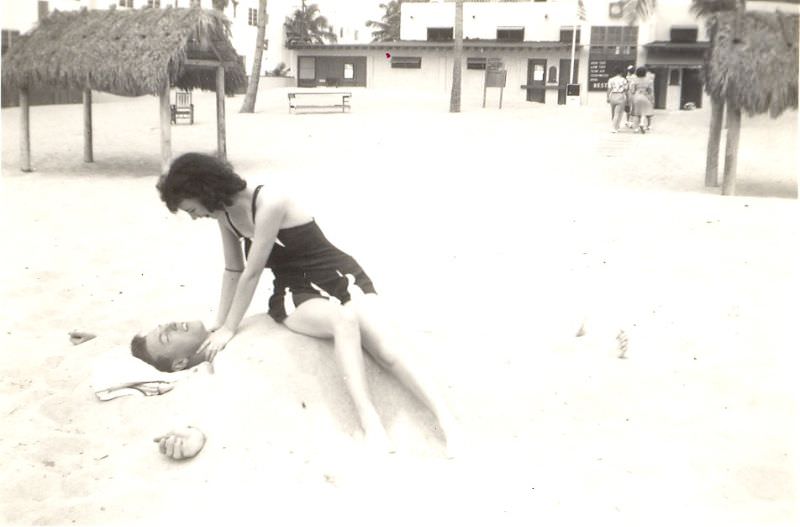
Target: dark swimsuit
[306, 265]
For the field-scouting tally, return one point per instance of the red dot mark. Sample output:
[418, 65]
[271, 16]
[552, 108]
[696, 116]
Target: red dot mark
[388, 55]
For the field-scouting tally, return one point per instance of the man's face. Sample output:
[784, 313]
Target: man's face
[178, 342]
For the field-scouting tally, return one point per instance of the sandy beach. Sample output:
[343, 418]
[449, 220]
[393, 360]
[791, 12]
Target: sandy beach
[493, 234]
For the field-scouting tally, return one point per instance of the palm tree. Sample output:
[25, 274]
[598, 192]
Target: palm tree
[307, 26]
[458, 34]
[388, 29]
[219, 5]
[635, 10]
[249, 103]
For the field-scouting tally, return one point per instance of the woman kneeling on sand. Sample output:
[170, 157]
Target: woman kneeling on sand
[319, 290]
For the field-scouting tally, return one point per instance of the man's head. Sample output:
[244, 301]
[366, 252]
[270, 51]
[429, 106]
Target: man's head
[171, 347]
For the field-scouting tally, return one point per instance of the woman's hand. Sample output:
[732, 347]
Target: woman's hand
[215, 342]
[181, 443]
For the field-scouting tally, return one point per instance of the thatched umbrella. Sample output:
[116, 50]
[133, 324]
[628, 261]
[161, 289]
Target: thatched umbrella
[127, 52]
[752, 66]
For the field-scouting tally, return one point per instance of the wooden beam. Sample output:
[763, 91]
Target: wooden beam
[204, 63]
[88, 151]
[166, 132]
[714, 137]
[25, 131]
[731, 150]
[221, 148]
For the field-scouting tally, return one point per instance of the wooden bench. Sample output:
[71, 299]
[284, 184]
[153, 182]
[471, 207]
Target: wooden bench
[319, 99]
[183, 107]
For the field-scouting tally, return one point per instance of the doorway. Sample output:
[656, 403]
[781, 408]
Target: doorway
[307, 72]
[537, 69]
[691, 87]
[563, 78]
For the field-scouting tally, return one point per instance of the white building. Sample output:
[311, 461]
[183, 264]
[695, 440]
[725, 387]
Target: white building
[532, 42]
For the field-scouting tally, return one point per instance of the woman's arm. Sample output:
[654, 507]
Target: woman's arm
[234, 265]
[269, 217]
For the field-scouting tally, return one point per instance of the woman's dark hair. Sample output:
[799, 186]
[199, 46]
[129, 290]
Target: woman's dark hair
[640, 71]
[205, 178]
[140, 351]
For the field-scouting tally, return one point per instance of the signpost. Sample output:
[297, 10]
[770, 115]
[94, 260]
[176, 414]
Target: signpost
[495, 78]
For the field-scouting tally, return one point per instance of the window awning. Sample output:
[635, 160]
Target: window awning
[666, 45]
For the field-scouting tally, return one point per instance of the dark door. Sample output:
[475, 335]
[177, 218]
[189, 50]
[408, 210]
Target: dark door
[307, 72]
[660, 87]
[691, 87]
[537, 70]
[563, 78]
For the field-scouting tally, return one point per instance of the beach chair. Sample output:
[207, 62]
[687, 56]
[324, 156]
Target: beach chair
[183, 107]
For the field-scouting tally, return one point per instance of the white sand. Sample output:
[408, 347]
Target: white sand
[493, 233]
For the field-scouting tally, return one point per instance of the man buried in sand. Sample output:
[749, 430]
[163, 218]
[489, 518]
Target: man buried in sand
[318, 290]
[173, 347]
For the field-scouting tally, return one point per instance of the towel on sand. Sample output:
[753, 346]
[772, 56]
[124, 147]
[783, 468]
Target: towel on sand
[117, 373]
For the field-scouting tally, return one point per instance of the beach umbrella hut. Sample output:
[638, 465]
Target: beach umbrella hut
[129, 53]
[752, 67]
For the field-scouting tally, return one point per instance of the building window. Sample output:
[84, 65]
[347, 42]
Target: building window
[252, 17]
[565, 35]
[674, 77]
[349, 71]
[126, 3]
[552, 75]
[611, 48]
[407, 62]
[440, 34]
[511, 34]
[9, 36]
[476, 63]
[683, 34]
[154, 3]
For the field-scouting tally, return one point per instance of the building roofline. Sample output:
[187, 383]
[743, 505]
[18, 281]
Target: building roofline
[470, 44]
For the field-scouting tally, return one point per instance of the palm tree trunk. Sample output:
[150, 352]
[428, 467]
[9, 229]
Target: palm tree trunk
[249, 104]
[731, 150]
[714, 137]
[458, 51]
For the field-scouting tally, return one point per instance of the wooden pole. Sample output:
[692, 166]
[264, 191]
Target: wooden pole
[25, 131]
[166, 132]
[221, 150]
[88, 152]
[731, 150]
[714, 137]
[458, 52]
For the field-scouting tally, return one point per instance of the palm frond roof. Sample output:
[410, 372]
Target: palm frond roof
[125, 52]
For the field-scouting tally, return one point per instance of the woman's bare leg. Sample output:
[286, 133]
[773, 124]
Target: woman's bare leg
[324, 319]
[390, 349]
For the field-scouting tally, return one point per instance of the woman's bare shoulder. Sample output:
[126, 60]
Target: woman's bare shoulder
[284, 198]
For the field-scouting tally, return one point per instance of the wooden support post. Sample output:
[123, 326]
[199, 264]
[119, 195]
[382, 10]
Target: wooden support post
[25, 132]
[714, 137]
[221, 149]
[166, 131]
[88, 151]
[731, 150]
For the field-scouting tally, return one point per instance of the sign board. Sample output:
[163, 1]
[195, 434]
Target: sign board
[598, 75]
[495, 79]
[600, 70]
[494, 65]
